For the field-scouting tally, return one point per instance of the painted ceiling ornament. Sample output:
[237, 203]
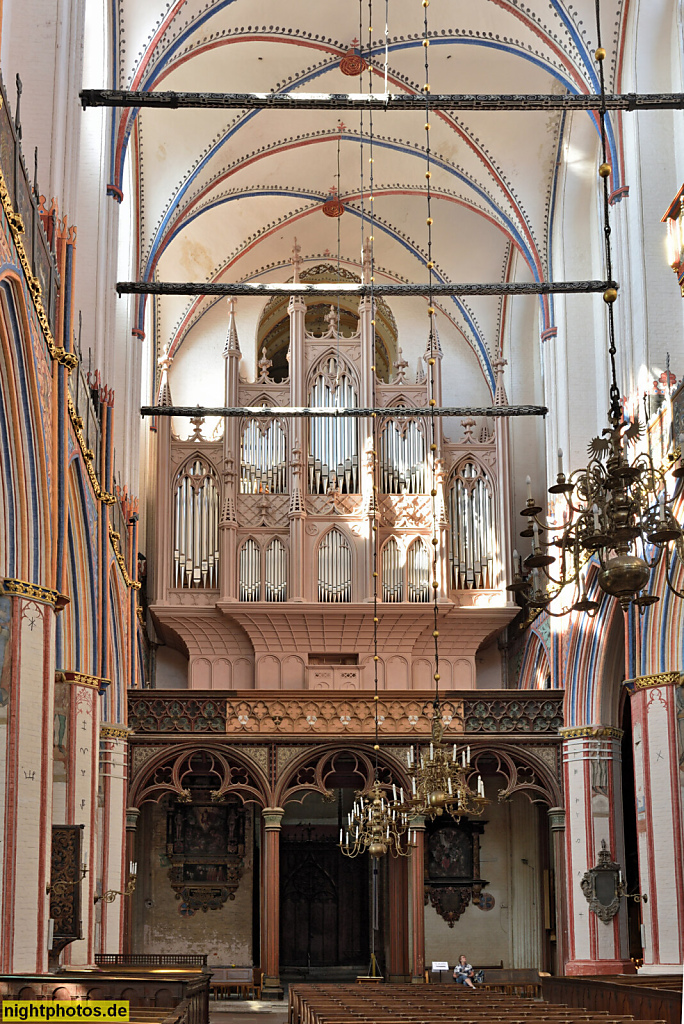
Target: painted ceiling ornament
[333, 207]
[352, 63]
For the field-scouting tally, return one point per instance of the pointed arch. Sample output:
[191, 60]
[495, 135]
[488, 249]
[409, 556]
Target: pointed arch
[418, 571]
[25, 415]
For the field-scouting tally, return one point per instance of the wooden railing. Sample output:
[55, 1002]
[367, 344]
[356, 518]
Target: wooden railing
[151, 959]
[651, 997]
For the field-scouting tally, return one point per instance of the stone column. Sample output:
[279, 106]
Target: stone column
[75, 789]
[658, 740]
[132, 815]
[418, 903]
[113, 853]
[592, 777]
[557, 826]
[398, 966]
[271, 902]
[27, 620]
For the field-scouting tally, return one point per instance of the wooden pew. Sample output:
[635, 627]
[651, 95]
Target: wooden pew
[226, 980]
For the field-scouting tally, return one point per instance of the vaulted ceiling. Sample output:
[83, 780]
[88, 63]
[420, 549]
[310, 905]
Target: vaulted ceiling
[220, 195]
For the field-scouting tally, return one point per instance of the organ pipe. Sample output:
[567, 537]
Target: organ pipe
[333, 441]
[196, 522]
[250, 571]
[334, 568]
[472, 530]
[263, 461]
[402, 459]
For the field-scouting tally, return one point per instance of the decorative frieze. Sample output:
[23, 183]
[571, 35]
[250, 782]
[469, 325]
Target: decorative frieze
[82, 679]
[348, 714]
[180, 714]
[19, 588]
[657, 679]
[591, 731]
[511, 715]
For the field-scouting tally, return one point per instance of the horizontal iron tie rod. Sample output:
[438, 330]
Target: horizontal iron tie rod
[380, 101]
[341, 288]
[289, 412]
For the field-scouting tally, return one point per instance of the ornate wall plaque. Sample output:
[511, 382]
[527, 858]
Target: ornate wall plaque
[65, 900]
[600, 886]
[453, 866]
[206, 846]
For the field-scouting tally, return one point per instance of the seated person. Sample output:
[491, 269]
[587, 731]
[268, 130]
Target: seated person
[463, 971]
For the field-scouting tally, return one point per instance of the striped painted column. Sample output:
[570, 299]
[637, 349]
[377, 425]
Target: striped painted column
[27, 678]
[593, 801]
[657, 704]
[75, 784]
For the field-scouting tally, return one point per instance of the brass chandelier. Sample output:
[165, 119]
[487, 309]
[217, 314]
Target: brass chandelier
[440, 777]
[617, 509]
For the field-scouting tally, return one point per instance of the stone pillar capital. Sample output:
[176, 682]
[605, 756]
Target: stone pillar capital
[272, 818]
[132, 815]
[655, 679]
[556, 817]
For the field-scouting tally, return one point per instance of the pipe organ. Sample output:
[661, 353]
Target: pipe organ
[196, 520]
[288, 503]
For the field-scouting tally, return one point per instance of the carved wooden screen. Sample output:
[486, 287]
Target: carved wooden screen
[471, 517]
[333, 441]
[324, 903]
[65, 906]
[196, 526]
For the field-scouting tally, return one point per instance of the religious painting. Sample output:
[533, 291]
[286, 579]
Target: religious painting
[205, 844]
[450, 853]
[452, 869]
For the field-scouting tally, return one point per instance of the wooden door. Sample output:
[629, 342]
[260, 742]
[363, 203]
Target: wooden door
[323, 905]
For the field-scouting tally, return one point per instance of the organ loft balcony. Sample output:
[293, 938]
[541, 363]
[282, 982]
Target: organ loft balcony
[264, 560]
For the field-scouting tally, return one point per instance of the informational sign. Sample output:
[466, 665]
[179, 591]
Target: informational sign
[440, 965]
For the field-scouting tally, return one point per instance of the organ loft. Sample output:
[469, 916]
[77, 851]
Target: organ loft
[276, 516]
[341, 509]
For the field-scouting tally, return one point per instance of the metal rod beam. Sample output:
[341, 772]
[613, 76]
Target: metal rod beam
[342, 288]
[378, 101]
[291, 412]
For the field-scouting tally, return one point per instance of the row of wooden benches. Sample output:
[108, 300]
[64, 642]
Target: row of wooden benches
[404, 1004]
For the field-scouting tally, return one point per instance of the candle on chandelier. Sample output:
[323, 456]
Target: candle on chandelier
[597, 524]
[560, 462]
[663, 499]
[340, 837]
[449, 786]
[413, 784]
[453, 756]
[468, 755]
[394, 792]
[432, 751]
[528, 481]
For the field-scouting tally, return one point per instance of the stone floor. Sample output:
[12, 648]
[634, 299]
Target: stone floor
[245, 1011]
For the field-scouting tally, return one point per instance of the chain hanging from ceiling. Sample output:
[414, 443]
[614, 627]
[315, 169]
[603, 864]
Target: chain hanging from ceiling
[439, 779]
[376, 824]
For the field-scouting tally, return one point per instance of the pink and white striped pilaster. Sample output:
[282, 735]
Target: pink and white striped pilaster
[113, 868]
[593, 801]
[658, 740]
[26, 727]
